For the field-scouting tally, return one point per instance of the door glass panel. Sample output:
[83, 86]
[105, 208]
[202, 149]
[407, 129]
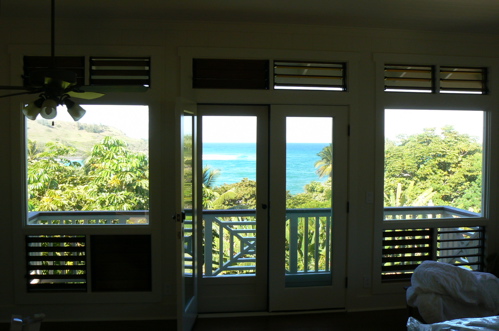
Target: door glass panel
[188, 198]
[229, 195]
[309, 164]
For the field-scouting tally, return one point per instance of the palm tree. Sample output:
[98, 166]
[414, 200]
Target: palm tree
[209, 176]
[212, 199]
[325, 164]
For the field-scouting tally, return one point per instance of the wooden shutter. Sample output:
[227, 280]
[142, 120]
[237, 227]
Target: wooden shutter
[230, 74]
[75, 64]
[121, 263]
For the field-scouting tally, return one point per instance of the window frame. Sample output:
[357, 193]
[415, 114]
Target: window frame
[437, 101]
[18, 159]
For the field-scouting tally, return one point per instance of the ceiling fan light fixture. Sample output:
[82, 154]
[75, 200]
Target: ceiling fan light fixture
[32, 109]
[49, 109]
[74, 109]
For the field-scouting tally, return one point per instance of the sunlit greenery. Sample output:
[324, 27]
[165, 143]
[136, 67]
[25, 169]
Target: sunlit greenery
[111, 178]
[430, 168]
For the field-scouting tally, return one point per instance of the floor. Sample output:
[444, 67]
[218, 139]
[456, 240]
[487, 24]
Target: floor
[386, 320]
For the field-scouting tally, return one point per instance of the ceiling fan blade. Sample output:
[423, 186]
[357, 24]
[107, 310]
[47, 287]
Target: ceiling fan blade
[20, 88]
[18, 93]
[85, 95]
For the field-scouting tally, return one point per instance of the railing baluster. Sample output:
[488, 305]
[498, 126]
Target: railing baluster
[293, 244]
[208, 235]
[328, 241]
[231, 247]
[306, 243]
[221, 235]
[317, 241]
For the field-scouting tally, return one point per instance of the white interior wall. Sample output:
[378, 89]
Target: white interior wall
[166, 39]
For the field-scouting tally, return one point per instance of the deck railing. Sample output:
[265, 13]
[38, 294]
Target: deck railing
[135, 217]
[230, 237]
[426, 212]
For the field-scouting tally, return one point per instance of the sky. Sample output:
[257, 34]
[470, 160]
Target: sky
[132, 120]
[242, 129]
[412, 121]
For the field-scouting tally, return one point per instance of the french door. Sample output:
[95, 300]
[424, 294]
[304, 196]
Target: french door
[185, 218]
[273, 182]
[307, 259]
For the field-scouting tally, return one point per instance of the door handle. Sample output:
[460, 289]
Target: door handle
[179, 217]
[264, 206]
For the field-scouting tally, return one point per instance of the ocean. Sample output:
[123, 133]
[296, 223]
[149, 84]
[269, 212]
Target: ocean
[238, 160]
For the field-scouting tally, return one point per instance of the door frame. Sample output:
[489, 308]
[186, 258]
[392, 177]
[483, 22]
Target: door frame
[236, 294]
[333, 296]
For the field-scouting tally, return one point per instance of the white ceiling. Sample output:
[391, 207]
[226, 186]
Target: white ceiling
[475, 16]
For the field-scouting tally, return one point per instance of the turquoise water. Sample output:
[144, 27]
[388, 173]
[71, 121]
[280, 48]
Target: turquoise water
[238, 160]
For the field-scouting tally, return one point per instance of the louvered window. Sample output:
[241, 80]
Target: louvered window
[230, 74]
[56, 263]
[409, 78]
[463, 80]
[405, 249]
[461, 246]
[299, 75]
[74, 64]
[120, 71]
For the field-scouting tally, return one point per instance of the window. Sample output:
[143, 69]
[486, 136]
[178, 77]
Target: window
[423, 79]
[433, 164]
[91, 172]
[300, 75]
[119, 71]
[463, 80]
[404, 249]
[409, 78]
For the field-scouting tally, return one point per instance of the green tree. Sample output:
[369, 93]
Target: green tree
[119, 177]
[50, 172]
[400, 197]
[244, 196]
[113, 178]
[212, 198]
[325, 164]
[315, 195]
[448, 163]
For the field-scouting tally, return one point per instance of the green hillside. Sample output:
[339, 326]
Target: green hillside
[79, 135]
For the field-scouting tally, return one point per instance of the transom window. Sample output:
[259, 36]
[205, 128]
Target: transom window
[435, 79]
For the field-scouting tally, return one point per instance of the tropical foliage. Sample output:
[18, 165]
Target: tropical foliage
[431, 168]
[111, 178]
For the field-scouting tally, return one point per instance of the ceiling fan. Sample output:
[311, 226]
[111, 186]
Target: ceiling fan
[55, 86]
